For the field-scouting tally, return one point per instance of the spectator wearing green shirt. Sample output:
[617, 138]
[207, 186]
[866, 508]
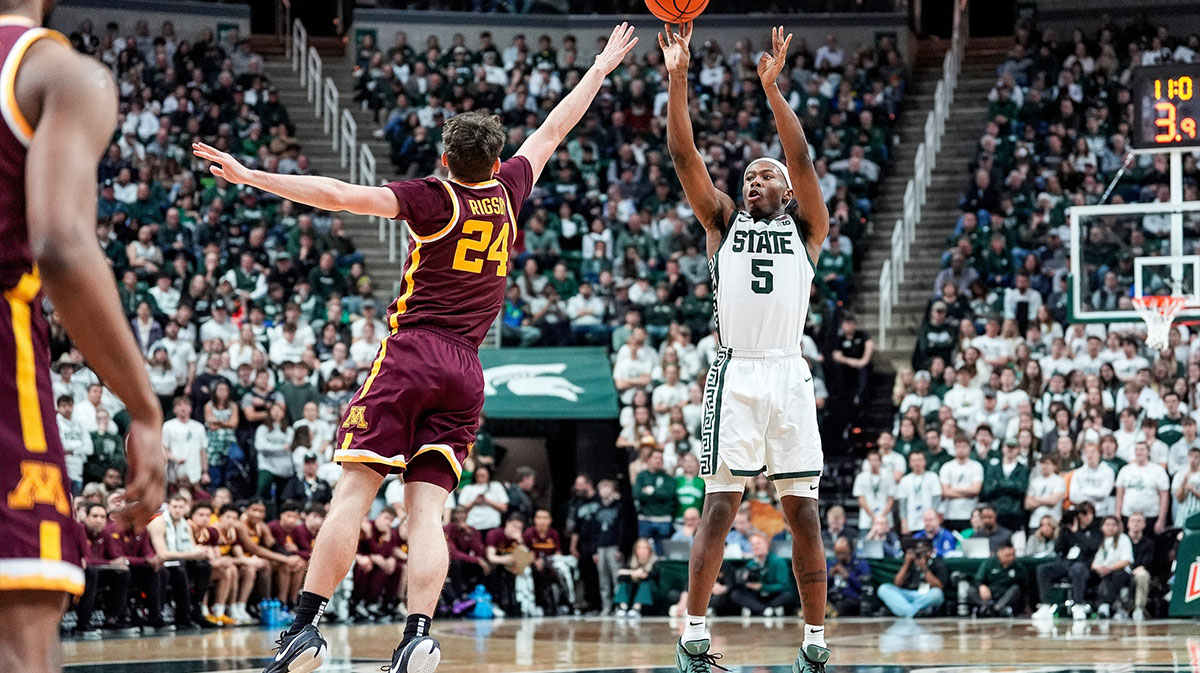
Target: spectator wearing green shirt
[108, 449]
[996, 590]
[297, 391]
[636, 237]
[324, 278]
[540, 242]
[689, 487]
[654, 495]
[1005, 481]
[696, 310]
[764, 586]
[660, 314]
[564, 281]
[835, 269]
[996, 264]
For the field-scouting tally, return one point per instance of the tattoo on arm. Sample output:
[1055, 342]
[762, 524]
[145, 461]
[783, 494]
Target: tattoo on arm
[812, 577]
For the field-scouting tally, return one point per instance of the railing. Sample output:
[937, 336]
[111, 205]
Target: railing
[339, 124]
[905, 230]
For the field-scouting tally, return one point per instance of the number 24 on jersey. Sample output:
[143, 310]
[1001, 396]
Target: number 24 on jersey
[477, 242]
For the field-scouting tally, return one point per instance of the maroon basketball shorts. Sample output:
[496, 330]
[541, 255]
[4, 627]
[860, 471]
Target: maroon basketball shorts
[41, 545]
[418, 410]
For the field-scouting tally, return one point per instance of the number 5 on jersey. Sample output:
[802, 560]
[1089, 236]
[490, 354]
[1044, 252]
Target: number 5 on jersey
[477, 237]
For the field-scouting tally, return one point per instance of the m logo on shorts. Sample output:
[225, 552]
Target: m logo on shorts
[357, 418]
[41, 484]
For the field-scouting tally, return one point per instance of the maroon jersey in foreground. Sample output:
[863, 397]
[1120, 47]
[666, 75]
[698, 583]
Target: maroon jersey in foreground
[42, 547]
[458, 253]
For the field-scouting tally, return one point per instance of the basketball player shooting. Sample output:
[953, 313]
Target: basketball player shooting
[418, 409]
[59, 109]
[759, 405]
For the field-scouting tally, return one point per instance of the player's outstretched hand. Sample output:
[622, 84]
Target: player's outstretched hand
[619, 44]
[145, 485]
[770, 65]
[223, 165]
[675, 46]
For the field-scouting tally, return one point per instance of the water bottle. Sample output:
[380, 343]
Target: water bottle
[483, 603]
[264, 613]
[276, 618]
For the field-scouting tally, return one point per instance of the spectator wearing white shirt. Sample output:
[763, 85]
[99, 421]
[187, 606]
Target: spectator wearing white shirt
[1089, 361]
[186, 443]
[965, 400]
[893, 462]
[635, 362]
[1158, 449]
[1111, 565]
[1058, 361]
[77, 443]
[1177, 453]
[1142, 486]
[363, 351]
[219, 325]
[1128, 366]
[996, 350]
[1019, 295]
[926, 402]
[1185, 488]
[918, 491]
[1046, 491]
[671, 392]
[1010, 400]
[586, 312]
[1127, 435]
[875, 491]
[166, 297]
[1093, 482]
[962, 480]
[369, 316]
[286, 349]
[829, 55]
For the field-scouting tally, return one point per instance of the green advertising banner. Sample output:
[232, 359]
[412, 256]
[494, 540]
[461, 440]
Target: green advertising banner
[1185, 596]
[548, 383]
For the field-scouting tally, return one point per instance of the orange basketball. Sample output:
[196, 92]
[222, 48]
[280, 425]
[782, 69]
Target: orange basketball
[676, 11]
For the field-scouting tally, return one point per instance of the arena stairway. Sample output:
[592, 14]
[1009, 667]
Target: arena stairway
[324, 160]
[964, 127]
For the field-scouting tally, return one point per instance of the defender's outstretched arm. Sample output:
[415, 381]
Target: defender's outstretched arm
[540, 146]
[313, 190]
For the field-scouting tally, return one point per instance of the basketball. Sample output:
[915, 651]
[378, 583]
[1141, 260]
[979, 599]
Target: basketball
[676, 11]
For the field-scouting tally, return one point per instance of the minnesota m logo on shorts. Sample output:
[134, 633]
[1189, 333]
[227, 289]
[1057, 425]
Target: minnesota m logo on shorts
[357, 418]
[41, 484]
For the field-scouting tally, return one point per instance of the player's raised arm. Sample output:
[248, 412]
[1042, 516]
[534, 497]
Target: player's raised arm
[805, 188]
[77, 100]
[712, 207]
[540, 146]
[313, 190]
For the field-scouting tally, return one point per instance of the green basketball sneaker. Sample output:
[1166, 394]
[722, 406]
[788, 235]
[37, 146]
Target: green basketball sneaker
[811, 659]
[693, 657]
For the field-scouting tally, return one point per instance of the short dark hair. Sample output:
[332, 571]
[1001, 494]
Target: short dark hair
[473, 141]
[289, 506]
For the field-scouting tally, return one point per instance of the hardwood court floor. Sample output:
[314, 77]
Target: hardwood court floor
[647, 645]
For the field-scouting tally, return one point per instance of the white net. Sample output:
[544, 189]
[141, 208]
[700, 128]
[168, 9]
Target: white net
[1159, 311]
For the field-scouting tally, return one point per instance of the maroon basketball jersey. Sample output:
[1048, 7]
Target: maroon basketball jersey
[458, 252]
[43, 548]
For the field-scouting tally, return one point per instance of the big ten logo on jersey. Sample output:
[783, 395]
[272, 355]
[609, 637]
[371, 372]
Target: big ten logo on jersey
[763, 242]
[480, 239]
[489, 206]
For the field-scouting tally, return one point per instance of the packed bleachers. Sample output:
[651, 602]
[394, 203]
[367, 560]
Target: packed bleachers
[1051, 434]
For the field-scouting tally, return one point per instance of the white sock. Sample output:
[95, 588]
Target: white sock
[239, 610]
[218, 609]
[694, 628]
[814, 635]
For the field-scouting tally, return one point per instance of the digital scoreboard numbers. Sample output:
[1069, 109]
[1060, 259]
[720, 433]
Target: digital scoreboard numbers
[1166, 104]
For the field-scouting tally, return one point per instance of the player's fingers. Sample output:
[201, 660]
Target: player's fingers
[629, 34]
[662, 44]
[217, 171]
[629, 47]
[786, 42]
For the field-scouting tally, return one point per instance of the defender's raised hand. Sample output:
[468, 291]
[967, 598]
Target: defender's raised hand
[224, 165]
[619, 44]
[676, 48]
[771, 64]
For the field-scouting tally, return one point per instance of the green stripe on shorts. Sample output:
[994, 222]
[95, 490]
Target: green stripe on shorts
[795, 475]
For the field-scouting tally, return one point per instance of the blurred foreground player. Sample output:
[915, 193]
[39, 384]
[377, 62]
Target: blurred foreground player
[457, 266]
[59, 110]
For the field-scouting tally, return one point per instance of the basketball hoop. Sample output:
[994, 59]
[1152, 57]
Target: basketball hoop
[1159, 311]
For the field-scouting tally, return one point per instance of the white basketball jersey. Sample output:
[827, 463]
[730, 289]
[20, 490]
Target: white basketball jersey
[762, 277]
